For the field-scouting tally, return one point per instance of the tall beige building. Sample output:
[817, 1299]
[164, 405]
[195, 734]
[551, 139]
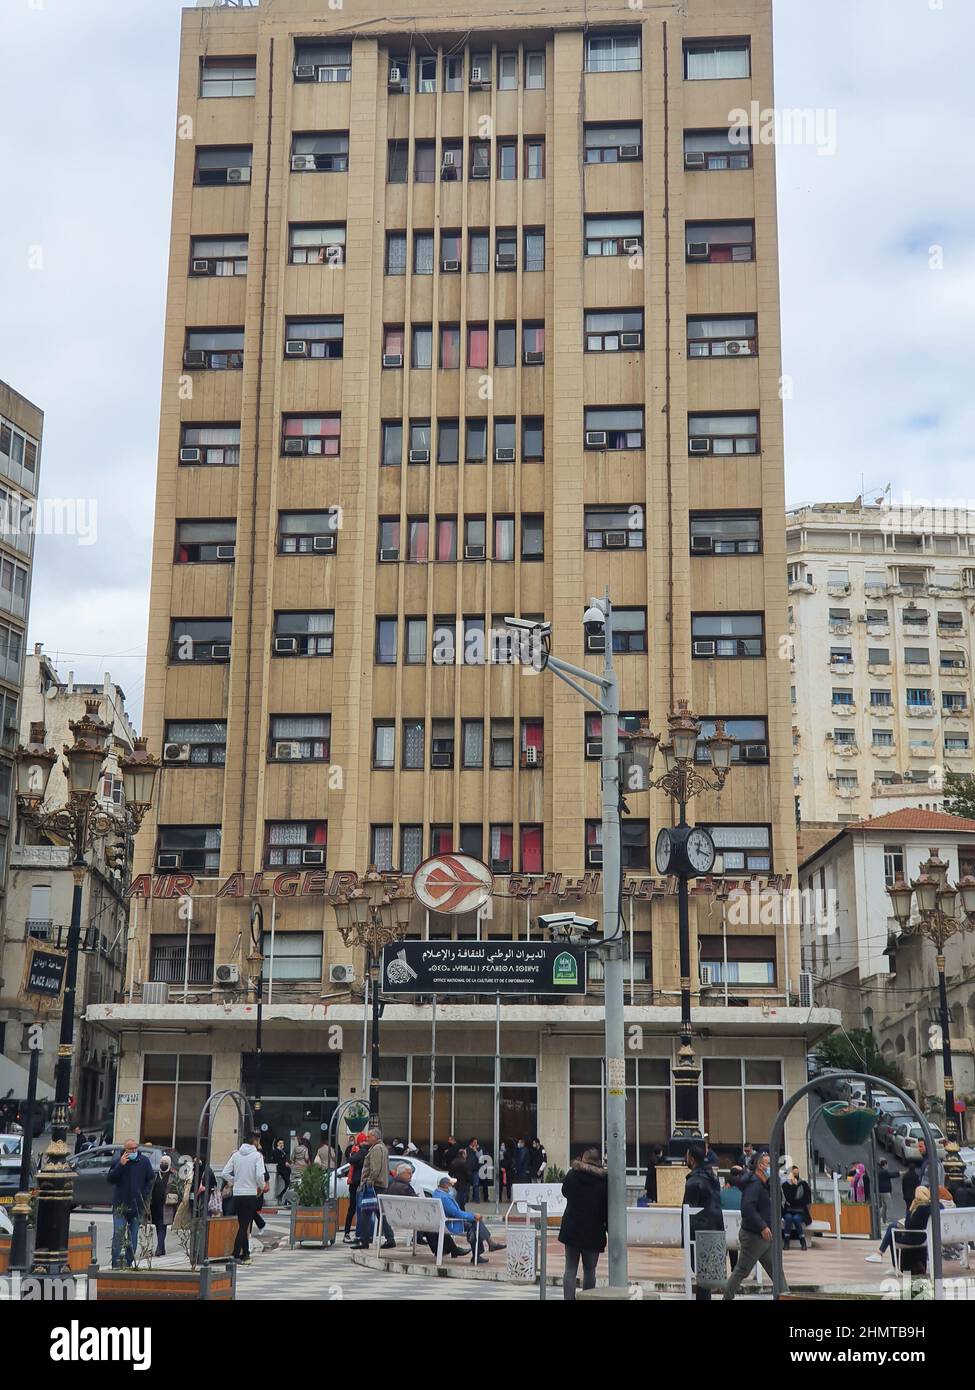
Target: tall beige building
[468, 316]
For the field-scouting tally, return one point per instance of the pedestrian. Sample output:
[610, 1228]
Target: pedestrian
[885, 1188]
[857, 1176]
[461, 1174]
[522, 1162]
[485, 1175]
[656, 1157]
[373, 1181]
[796, 1216]
[910, 1181]
[473, 1168]
[506, 1161]
[755, 1236]
[460, 1222]
[712, 1159]
[300, 1159]
[259, 1221]
[325, 1157]
[161, 1201]
[79, 1139]
[356, 1156]
[279, 1157]
[746, 1158]
[246, 1172]
[132, 1177]
[450, 1151]
[964, 1193]
[539, 1161]
[701, 1189]
[731, 1200]
[584, 1221]
[401, 1182]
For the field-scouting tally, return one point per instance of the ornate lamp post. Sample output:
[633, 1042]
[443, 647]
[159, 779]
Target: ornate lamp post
[936, 902]
[372, 916]
[685, 852]
[78, 824]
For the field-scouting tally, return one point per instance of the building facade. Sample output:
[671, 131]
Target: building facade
[877, 976]
[880, 614]
[40, 889]
[461, 324]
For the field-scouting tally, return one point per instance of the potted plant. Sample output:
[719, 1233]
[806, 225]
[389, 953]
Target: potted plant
[312, 1215]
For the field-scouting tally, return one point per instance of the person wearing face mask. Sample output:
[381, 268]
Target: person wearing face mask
[162, 1201]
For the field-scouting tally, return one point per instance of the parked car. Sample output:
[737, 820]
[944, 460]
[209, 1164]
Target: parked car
[424, 1180]
[90, 1168]
[907, 1137]
[892, 1112]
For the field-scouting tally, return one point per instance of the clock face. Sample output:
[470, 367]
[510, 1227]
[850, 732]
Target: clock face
[664, 851]
[700, 851]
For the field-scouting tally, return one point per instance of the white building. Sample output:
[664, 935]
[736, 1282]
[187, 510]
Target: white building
[880, 601]
[867, 969]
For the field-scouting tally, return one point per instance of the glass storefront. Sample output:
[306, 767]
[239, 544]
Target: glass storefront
[299, 1092]
[463, 1099]
[174, 1089]
[647, 1107]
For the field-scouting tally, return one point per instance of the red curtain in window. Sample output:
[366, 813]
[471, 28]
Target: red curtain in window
[531, 849]
[318, 833]
[394, 342]
[419, 539]
[446, 540]
[594, 833]
[531, 735]
[442, 842]
[477, 347]
[535, 339]
[449, 347]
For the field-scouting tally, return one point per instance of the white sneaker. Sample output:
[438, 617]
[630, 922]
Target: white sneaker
[874, 1259]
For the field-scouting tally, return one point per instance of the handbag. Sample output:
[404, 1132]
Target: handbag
[215, 1203]
[368, 1201]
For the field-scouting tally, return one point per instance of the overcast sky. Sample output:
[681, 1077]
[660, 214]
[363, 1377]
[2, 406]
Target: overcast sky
[876, 341]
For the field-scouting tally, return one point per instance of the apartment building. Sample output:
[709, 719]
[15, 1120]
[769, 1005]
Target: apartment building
[467, 317]
[880, 615]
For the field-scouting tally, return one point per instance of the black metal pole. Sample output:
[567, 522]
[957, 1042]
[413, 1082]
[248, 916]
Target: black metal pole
[687, 1124]
[872, 1170]
[55, 1181]
[373, 966]
[18, 1241]
[257, 915]
[951, 1119]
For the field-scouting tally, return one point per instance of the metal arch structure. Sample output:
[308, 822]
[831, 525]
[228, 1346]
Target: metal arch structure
[775, 1145]
[332, 1135]
[201, 1167]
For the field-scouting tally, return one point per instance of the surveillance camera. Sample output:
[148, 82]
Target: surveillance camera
[527, 625]
[548, 920]
[593, 620]
[587, 924]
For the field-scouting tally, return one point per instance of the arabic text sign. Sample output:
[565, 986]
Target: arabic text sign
[44, 971]
[453, 883]
[483, 967]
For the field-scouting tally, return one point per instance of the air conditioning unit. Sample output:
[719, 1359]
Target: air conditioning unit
[505, 260]
[699, 444]
[474, 552]
[615, 540]
[204, 267]
[323, 545]
[478, 79]
[734, 346]
[450, 267]
[756, 752]
[155, 992]
[167, 861]
[335, 254]
[220, 651]
[190, 455]
[295, 347]
[501, 866]
[534, 359]
[419, 456]
[805, 989]
[225, 552]
[294, 446]
[313, 856]
[300, 162]
[631, 340]
[631, 244]
[176, 753]
[239, 175]
[595, 642]
[702, 545]
[504, 455]
[629, 151]
[595, 439]
[480, 171]
[695, 159]
[392, 359]
[341, 975]
[698, 250]
[441, 759]
[449, 158]
[194, 357]
[531, 757]
[595, 855]
[285, 646]
[704, 976]
[397, 80]
[227, 975]
[289, 750]
[594, 748]
[387, 557]
[704, 648]
[305, 72]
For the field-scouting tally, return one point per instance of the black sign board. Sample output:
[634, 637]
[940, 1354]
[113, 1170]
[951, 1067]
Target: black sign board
[44, 973]
[483, 967]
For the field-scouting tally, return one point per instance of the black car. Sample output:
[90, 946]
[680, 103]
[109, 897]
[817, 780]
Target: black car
[90, 1168]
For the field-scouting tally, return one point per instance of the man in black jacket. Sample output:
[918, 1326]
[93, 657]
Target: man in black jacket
[702, 1189]
[755, 1236]
[132, 1177]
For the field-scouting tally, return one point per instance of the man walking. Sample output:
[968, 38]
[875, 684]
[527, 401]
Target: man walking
[132, 1177]
[245, 1170]
[374, 1180]
[702, 1189]
[755, 1236]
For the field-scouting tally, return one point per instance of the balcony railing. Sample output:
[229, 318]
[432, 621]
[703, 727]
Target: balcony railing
[169, 967]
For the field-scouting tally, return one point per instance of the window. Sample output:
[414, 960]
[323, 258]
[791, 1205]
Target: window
[393, 340]
[447, 539]
[383, 746]
[417, 539]
[194, 639]
[881, 738]
[613, 330]
[218, 255]
[297, 956]
[608, 144]
[954, 621]
[478, 252]
[880, 699]
[629, 723]
[444, 640]
[727, 634]
[392, 442]
[318, 243]
[441, 839]
[312, 434]
[385, 641]
[707, 59]
[507, 72]
[535, 70]
[742, 848]
[956, 743]
[193, 848]
[725, 335]
[313, 337]
[195, 743]
[416, 641]
[505, 438]
[531, 849]
[954, 702]
[507, 159]
[420, 441]
[214, 445]
[448, 441]
[841, 656]
[293, 843]
[472, 840]
[388, 539]
[316, 61]
[475, 449]
[534, 157]
[729, 147]
[228, 77]
[453, 74]
[635, 843]
[450, 346]
[504, 538]
[722, 434]
[919, 698]
[425, 162]
[410, 845]
[397, 161]
[506, 249]
[534, 257]
[223, 164]
[917, 656]
[878, 656]
[847, 736]
[532, 439]
[839, 619]
[720, 242]
[423, 253]
[481, 69]
[613, 428]
[308, 533]
[395, 253]
[422, 347]
[502, 848]
[203, 542]
[614, 528]
[451, 252]
[473, 638]
[214, 349]
[505, 344]
[414, 742]
[614, 235]
[613, 52]
[532, 742]
[442, 743]
[304, 634]
[532, 537]
[741, 960]
[502, 743]
[477, 345]
[480, 162]
[324, 152]
[951, 661]
[842, 697]
[426, 74]
[302, 738]
[726, 533]
[533, 352]
[472, 743]
[750, 735]
[629, 630]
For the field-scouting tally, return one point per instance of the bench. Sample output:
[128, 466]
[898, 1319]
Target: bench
[661, 1226]
[957, 1228]
[414, 1214]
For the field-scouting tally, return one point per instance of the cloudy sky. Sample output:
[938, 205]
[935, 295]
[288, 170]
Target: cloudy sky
[877, 326]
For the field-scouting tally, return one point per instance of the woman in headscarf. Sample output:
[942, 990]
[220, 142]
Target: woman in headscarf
[857, 1178]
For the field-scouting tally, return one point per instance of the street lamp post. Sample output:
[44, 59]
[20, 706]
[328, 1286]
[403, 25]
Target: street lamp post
[77, 824]
[936, 902]
[684, 852]
[372, 916]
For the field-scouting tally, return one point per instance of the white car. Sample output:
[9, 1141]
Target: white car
[907, 1137]
[424, 1181]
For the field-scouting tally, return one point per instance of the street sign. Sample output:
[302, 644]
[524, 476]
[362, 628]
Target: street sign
[44, 971]
[453, 883]
[483, 967]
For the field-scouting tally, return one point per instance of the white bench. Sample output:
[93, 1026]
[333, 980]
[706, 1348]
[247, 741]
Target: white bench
[957, 1228]
[662, 1226]
[414, 1214]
